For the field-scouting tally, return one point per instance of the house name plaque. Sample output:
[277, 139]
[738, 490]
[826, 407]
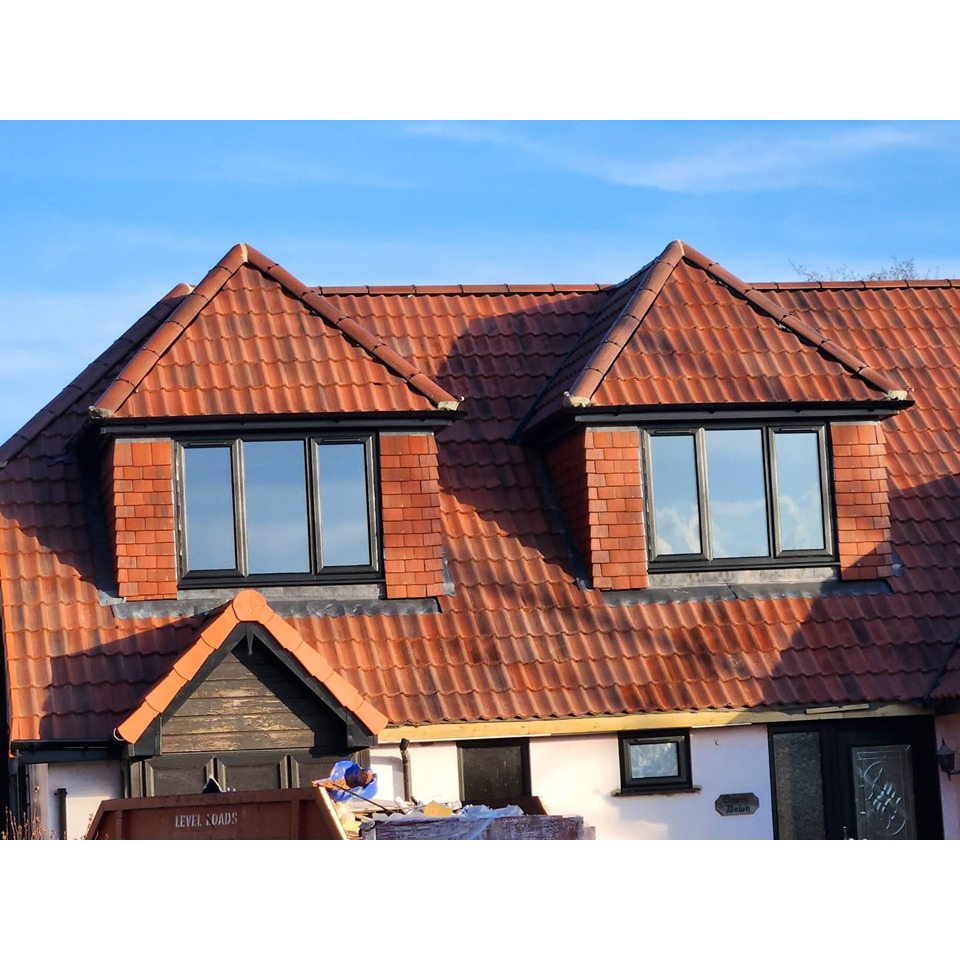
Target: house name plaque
[737, 804]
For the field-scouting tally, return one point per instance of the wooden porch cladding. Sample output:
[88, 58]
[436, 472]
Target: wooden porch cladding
[250, 701]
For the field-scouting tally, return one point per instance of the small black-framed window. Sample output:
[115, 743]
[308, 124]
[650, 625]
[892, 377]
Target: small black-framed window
[737, 496]
[494, 771]
[656, 762]
[284, 509]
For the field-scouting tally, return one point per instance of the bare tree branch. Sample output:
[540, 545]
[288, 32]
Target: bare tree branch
[905, 269]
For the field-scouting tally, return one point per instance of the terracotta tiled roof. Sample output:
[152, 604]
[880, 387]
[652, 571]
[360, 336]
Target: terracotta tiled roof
[518, 638]
[247, 607]
[252, 339]
[686, 332]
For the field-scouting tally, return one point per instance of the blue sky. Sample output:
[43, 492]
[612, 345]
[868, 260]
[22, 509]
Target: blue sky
[101, 219]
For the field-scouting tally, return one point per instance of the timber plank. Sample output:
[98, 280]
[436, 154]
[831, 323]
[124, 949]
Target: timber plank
[204, 706]
[219, 741]
[235, 722]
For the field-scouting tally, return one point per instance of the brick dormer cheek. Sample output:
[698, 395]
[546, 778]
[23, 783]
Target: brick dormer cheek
[137, 479]
[410, 501]
[862, 501]
[597, 477]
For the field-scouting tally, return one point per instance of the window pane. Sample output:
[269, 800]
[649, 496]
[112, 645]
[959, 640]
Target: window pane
[493, 772]
[344, 530]
[798, 783]
[654, 760]
[676, 516]
[264, 775]
[798, 491]
[738, 513]
[208, 502]
[175, 775]
[276, 504]
[883, 781]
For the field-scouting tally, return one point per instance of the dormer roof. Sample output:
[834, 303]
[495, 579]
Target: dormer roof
[684, 332]
[252, 339]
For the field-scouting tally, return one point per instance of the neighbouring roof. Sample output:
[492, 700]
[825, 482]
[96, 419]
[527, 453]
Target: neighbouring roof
[518, 638]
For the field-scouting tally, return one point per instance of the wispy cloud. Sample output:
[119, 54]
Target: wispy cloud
[767, 164]
[715, 163]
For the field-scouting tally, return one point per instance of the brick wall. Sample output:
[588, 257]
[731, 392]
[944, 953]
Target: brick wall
[137, 477]
[597, 475]
[862, 501]
[410, 503]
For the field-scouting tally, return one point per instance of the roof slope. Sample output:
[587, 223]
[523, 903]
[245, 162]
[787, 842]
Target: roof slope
[519, 639]
[252, 339]
[686, 332]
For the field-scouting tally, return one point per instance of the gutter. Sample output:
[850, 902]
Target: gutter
[64, 751]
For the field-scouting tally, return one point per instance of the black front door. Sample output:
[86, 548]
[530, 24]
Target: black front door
[856, 779]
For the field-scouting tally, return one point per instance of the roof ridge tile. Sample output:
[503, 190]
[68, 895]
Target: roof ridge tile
[623, 328]
[351, 328]
[189, 308]
[834, 351]
[825, 345]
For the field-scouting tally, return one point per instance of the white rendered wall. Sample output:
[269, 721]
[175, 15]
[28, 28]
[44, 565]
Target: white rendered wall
[385, 763]
[87, 784]
[434, 772]
[948, 729]
[580, 776]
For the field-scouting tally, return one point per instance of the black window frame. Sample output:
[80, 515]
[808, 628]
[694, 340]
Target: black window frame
[639, 785]
[776, 555]
[318, 572]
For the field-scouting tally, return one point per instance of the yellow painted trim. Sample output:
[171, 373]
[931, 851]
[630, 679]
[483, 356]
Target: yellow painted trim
[648, 721]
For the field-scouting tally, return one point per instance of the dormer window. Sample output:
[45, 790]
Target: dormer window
[735, 496]
[290, 509]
